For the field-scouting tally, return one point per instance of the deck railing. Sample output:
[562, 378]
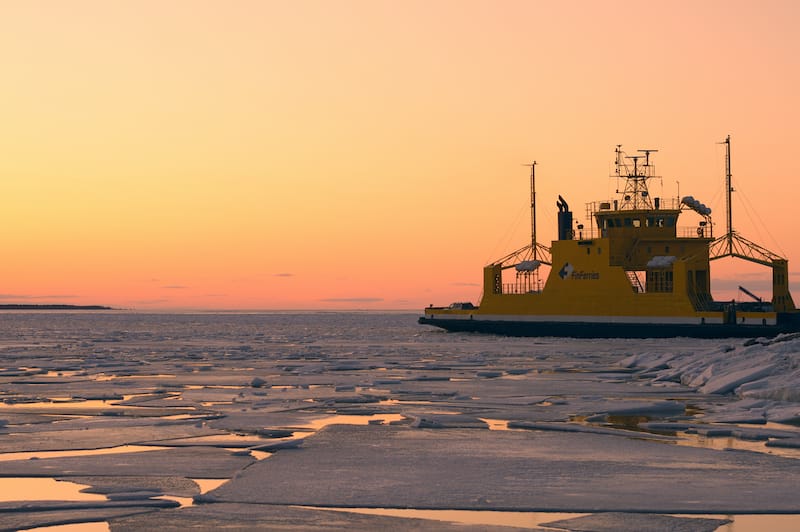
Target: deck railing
[589, 233]
[694, 232]
[521, 288]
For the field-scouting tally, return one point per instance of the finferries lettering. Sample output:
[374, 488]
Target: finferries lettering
[568, 271]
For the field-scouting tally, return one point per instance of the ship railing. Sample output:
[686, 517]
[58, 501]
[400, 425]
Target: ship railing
[590, 233]
[520, 288]
[655, 203]
[697, 231]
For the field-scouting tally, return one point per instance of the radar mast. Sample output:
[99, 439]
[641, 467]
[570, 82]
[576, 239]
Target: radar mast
[635, 196]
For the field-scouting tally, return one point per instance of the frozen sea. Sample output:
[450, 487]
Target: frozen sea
[327, 421]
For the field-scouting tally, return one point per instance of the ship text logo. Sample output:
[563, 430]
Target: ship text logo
[568, 272]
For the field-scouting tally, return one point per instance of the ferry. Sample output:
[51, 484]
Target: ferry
[634, 273]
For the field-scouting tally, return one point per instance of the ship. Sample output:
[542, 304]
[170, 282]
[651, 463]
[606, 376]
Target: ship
[633, 273]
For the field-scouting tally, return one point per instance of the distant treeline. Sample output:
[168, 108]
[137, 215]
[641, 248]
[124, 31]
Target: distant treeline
[52, 307]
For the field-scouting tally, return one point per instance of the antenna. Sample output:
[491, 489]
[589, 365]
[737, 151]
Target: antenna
[635, 193]
[728, 190]
[647, 156]
[533, 209]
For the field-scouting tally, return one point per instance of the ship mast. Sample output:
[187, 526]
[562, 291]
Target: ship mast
[732, 244]
[533, 209]
[535, 251]
[728, 190]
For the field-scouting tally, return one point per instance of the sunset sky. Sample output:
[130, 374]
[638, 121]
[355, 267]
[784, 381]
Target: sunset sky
[368, 154]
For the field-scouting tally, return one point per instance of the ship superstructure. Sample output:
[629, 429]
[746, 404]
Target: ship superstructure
[634, 272]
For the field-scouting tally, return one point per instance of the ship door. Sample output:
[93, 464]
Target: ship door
[730, 314]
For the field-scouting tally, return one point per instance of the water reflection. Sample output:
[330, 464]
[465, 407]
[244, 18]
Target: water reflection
[43, 489]
[380, 419]
[535, 520]
[495, 424]
[532, 520]
[760, 523]
[208, 484]
[27, 455]
[79, 527]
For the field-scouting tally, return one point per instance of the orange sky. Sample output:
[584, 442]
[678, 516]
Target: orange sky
[365, 154]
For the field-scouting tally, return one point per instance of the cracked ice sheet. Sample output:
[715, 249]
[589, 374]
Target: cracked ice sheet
[97, 438]
[276, 517]
[398, 467]
[175, 486]
[615, 522]
[192, 462]
[23, 520]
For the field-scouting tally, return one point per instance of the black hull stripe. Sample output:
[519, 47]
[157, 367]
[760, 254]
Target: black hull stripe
[611, 330]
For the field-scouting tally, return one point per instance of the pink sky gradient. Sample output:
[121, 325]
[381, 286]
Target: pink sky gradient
[366, 154]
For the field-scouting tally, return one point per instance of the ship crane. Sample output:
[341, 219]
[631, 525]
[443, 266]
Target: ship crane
[751, 294]
[528, 258]
[732, 244]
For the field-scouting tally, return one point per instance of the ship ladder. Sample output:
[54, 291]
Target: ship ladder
[636, 283]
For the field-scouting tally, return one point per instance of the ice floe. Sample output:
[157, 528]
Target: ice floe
[575, 424]
[766, 370]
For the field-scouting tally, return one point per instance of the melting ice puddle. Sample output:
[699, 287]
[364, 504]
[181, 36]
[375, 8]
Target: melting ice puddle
[78, 527]
[495, 424]
[78, 404]
[14, 489]
[385, 419]
[535, 520]
[44, 489]
[65, 373]
[205, 484]
[721, 443]
[246, 440]
[690, 439]
[260, 455]
[106, 378]
[208, 484]
[467, 517]
[759, 523]
[405, 402]
[58, 403]
[214, 387]
[27, 455]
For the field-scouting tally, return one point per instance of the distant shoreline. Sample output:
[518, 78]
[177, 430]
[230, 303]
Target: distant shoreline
[52, 307]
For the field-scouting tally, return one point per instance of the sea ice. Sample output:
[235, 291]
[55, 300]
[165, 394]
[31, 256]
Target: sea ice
[192, 462]
[398, 467]
[24, 518]
[175, 486]
[276, 517]
[96, 438]
[185, 377]
[616, 522]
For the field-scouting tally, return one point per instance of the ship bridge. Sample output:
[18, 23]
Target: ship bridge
[637, 214]
[643, 235]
